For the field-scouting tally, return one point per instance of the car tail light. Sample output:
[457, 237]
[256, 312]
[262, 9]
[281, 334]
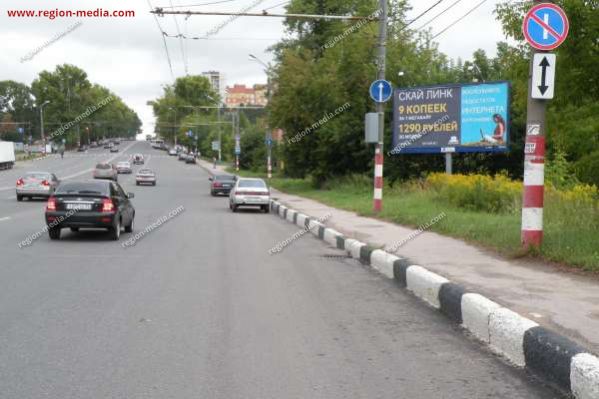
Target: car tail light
[51, 205]
[107, 205]
[45, 183]
[217, 184]
[20, 182]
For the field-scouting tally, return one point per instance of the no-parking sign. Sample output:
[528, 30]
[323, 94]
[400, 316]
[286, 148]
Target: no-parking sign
[545, 26]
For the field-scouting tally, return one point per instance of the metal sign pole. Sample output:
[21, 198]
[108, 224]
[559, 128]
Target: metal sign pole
[448, 163]
[380, 109]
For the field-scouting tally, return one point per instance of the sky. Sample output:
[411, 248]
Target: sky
[127, 55]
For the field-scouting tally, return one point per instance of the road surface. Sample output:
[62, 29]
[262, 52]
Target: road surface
[199, 309]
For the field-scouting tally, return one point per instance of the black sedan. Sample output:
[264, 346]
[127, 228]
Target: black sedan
[97, 204]
[221, 184]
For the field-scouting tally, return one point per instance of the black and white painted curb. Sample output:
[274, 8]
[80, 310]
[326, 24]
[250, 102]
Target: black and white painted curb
[523, 342]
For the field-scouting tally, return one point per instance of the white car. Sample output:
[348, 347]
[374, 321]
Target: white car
[172, 152]
[124, 167]
[250, 192]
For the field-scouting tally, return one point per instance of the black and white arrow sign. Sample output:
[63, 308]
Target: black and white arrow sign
[543, 76]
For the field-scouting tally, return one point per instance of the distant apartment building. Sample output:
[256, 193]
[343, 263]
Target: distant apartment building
[217, 80]
[239, 95]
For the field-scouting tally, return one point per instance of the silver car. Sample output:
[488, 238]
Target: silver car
[145, 176]
[250, 192]
[124, 167]
[105, 170]
[36, 184]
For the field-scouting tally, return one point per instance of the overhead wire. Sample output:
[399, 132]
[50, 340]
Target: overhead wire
[439, 14]
[459, 19]
[163, 34]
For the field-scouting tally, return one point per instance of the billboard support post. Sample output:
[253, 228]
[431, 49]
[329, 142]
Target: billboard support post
[448, 163]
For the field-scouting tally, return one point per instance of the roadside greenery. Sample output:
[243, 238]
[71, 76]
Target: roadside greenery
[71, 95]
[571, 216]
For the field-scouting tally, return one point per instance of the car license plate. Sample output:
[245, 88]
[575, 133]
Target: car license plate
[79, 207]
[226, 185]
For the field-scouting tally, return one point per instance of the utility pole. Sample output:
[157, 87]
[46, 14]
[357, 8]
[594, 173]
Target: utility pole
[380, 109]
[43, 137]
[553, 31]
[269, 131]
[220, 142]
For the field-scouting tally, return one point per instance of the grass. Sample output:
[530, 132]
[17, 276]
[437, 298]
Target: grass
[571, 235]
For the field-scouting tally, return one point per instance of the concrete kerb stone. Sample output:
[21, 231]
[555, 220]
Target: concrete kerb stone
[291, 215]
[450, 300]
[353, 247]
[584, 376]
[365, 252]
[548, 354]
[383, 262]
[341, 242]
[425, 285]
[330, 236]
[400, 270]
[476, 312]
[300, 220]
[506, 333]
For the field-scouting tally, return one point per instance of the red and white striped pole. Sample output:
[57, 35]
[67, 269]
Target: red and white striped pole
[378, 178]
[534, 187]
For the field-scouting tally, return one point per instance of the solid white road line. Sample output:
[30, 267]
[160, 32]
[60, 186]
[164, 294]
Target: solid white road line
[4, 218]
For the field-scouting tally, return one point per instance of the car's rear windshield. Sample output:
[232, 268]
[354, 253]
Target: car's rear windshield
[145, 172]
[103, 166]
[223, 177]
[99, 188]
[252, 183]
[34, 175]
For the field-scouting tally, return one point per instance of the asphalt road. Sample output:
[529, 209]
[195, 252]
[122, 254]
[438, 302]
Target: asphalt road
[199, 309]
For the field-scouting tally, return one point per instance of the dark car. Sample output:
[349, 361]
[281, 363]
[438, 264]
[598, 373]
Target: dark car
[97, 204]
[221, 184]
[138, 159]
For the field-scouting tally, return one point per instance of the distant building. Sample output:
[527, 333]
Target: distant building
[239, 95]
[217, 80]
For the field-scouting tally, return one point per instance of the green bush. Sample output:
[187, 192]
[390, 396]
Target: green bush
[587, 168]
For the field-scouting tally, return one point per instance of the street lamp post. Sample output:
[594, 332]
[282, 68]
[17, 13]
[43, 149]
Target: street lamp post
[43, 137]
[268, 70]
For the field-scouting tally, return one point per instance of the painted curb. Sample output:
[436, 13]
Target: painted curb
[553, 357]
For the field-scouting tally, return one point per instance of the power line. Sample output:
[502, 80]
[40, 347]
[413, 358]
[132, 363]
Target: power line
[459, 19]
[180, 41]
[168, 57]
[281, 4]
[202, 4]
[438, 15]
[220, 38]
[422, 14]
[161, 11]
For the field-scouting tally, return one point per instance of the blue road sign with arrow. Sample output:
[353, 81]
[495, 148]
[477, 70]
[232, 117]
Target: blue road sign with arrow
[381, 91]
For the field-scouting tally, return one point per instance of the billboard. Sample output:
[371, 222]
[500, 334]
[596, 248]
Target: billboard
[451, 118]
